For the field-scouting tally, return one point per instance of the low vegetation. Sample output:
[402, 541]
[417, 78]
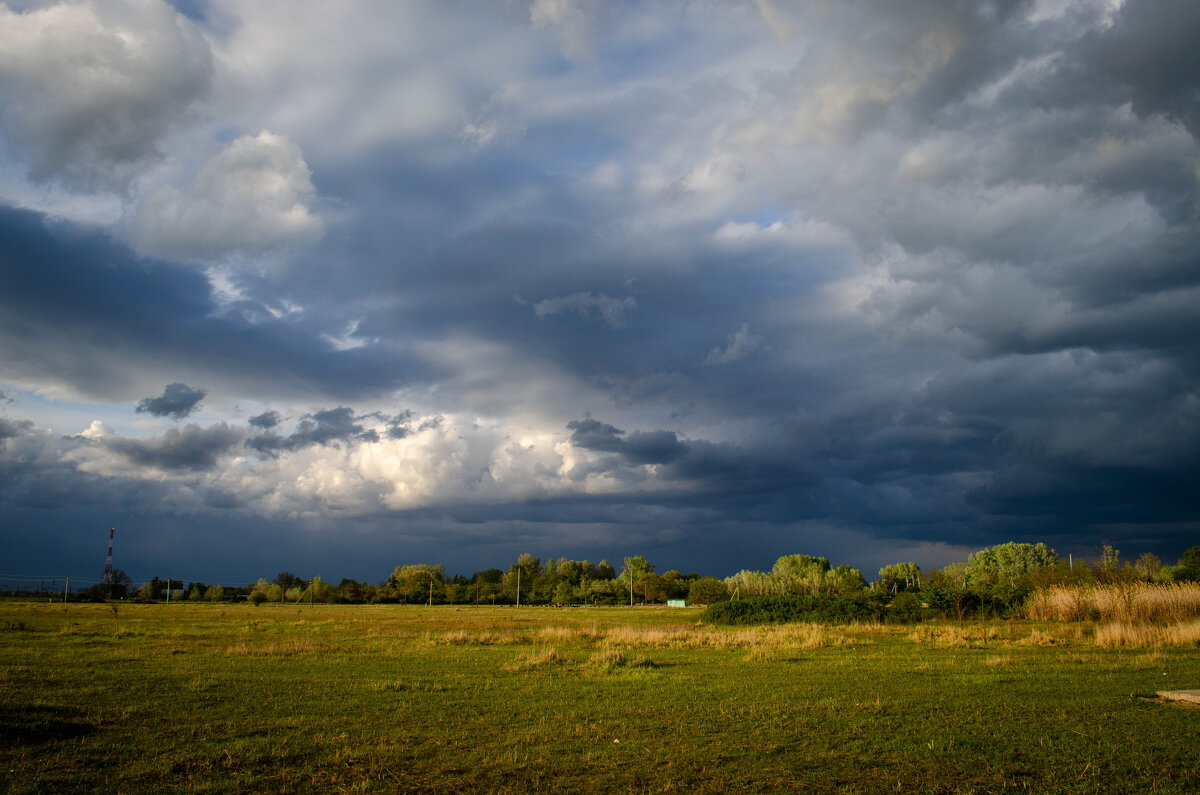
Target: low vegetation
[210, 697]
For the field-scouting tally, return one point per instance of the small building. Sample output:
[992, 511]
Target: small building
[676, 603]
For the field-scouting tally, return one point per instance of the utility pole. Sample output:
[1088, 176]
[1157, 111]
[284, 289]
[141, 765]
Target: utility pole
[107, 580]
[518, 586]
[66, 588]
[631, 586]
[168, 590]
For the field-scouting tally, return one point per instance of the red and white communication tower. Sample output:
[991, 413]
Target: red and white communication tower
[108, 575]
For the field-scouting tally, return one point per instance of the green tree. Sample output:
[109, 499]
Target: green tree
[215, 593]
[1148, 566]
[321, 590]
[1001, 575]
[636, 568]
[846, 580]
[269, 590]
[653, 587]
[1186, 570]
[896, 577]
[530, 565]
[707, 591]
[947, 592]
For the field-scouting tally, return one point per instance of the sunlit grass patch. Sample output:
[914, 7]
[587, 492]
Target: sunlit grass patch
[608, 661]
[279, 648]
[479, 638]
[536, 658]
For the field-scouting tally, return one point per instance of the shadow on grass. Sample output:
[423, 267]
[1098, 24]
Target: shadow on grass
[37, 725]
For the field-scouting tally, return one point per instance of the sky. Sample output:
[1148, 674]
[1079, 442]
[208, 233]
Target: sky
[331, 287]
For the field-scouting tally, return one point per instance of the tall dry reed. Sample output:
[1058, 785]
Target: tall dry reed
[1137, 602]
[1142, 636]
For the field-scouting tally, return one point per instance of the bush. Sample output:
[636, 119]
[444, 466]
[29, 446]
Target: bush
[905, 609]
[257, 597]
[707, 591]
[823, 608]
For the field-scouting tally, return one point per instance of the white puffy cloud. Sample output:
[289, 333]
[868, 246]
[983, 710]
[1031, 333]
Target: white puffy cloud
[92, 88]
[254, 195]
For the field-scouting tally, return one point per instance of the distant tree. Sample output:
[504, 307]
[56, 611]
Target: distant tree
[1002, 576]
[1186, 570]
[707, 591]
[530, 565]
[215, 593]
[121, 586]
[1148, 566]
[676, 584]
[409, 580]
[896, 577]
[846, 580]
[285, 580]
[269, 590]
[604, 571]
[564, 594]
[491, 576]
[636, 567]
[1191, 558]
[947, 592]
[653, 587]
[321, 590]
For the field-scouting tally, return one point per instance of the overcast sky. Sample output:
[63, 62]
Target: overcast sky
[330, 287]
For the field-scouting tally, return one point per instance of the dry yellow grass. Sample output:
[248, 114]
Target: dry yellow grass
[536, 658]
[1144, 636]
[1123, 602]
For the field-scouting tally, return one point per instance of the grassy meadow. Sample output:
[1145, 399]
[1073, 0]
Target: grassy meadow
[275, 698]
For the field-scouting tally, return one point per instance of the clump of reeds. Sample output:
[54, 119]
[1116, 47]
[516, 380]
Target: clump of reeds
[571, 634]
[460, 637]
[536, 658]
[612, 660]
[1142, 636]
[1116, 602]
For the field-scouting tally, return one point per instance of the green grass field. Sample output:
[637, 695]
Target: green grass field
[221, 698]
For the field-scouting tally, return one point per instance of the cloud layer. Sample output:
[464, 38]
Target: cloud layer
[711, 283]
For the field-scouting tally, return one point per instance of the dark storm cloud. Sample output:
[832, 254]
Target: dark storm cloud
[78, 309]
[10, 429]
[265, 421]
[721, 468]
[190, 448]
[326, 427]
[900, 275]
[177, 401]
[1149, 50]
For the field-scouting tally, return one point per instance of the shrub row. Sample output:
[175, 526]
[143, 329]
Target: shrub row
[823, 608]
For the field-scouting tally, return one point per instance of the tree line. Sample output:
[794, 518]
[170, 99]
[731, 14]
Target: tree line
[993, 580]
